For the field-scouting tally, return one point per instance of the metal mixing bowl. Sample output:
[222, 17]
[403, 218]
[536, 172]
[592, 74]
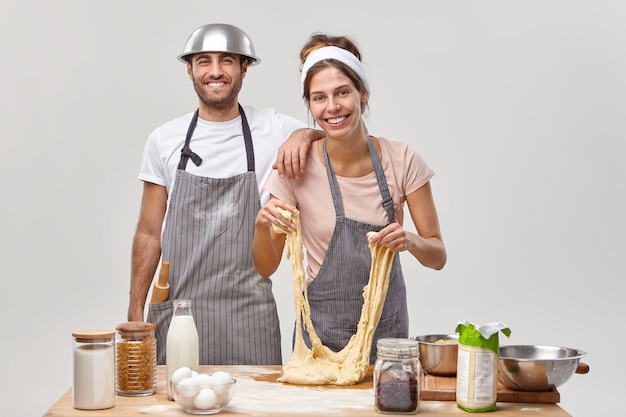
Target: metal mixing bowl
[436, 356]
[538, 368]
[220, 37]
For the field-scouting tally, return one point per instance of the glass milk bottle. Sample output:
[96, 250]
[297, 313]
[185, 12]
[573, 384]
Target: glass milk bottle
[182, 345]
[93, 383]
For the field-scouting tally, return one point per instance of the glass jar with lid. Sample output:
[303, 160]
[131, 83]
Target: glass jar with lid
[397, 376]
[135, 354]
[93, 384]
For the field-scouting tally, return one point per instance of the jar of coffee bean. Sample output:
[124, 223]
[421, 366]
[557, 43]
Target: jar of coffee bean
[397, 376]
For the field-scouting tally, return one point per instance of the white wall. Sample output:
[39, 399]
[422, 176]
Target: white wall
[518, 106]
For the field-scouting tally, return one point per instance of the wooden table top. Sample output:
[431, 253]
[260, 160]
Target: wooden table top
[258, 393]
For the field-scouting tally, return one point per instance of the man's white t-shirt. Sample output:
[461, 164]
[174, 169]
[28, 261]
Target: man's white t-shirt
[220, 145]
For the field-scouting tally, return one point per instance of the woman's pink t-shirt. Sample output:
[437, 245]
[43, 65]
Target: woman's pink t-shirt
[405, 172]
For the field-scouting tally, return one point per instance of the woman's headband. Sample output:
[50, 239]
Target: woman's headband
[333, 52]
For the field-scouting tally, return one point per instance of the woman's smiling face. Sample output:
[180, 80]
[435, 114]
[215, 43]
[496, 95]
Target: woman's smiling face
[334, 102]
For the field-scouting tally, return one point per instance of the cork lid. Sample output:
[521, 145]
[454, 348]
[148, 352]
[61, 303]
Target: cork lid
[135, 327]
[93, 336]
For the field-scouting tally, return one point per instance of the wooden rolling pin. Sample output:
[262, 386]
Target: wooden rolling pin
[161, 288]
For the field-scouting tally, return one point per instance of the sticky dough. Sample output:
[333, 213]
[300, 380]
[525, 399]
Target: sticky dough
[319, 365]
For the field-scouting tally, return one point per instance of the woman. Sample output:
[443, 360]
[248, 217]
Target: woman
[360, 181]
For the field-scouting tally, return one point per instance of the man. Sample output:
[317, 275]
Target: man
[203, 179]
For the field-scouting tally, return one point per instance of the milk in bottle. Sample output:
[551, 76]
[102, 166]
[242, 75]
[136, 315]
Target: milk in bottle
[182, 345]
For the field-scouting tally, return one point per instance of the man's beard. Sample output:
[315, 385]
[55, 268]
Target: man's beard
[219, 104]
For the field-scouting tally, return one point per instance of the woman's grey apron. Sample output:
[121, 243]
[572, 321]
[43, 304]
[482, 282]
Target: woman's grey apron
[336, 293]
[207, 240]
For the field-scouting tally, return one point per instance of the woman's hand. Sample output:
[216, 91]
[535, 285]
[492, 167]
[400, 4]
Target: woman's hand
[426, 245]
[270, 217]
[392, 237]
[268, 244]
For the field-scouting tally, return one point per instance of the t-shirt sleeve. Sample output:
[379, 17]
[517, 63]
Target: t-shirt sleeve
[281, 188]
[418, 172]
[411, 170]
[151, 168]
[289, 124]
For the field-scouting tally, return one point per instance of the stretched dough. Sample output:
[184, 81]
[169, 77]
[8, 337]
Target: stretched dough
[319, 365]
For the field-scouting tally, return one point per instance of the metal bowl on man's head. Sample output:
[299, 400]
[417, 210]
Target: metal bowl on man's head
[438, 353]
[538, 368]
[220, 37]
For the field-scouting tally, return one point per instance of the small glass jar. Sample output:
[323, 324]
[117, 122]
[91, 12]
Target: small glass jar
[135, 349]
[93, 384]
[397, 376]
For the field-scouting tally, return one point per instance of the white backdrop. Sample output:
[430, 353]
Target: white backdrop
[518, 106]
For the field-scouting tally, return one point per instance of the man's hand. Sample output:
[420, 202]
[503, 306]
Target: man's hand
[291, 158]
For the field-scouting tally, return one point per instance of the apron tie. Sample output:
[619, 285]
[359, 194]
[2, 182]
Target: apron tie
[186, 150]
[188, 153]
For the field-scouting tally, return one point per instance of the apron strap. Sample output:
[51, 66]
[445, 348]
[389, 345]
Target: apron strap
[247, 137]
[380, 179]
[334, 185]
[186, 151]
[382, 182]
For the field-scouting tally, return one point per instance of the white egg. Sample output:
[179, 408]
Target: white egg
[180, 374]
[194, 374]
[204, 380]
[185, 402]
[221, 377]
[188, 387]
[206, 399]
[221, 382]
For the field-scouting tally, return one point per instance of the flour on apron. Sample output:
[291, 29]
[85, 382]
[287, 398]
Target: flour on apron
[207, 240]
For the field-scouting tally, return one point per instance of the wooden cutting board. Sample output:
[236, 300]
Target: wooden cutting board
[443, 388]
